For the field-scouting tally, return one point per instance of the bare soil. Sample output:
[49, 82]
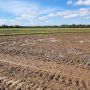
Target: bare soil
[45, 62]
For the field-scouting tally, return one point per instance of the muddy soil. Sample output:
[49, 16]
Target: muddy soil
[45, 62]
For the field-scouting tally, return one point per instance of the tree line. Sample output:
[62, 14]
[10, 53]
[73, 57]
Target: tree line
[54, 26]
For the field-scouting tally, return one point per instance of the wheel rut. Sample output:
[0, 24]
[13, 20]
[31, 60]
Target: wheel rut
[34, 78]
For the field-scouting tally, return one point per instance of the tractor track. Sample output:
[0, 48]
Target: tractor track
[45, 63]
[71, 78]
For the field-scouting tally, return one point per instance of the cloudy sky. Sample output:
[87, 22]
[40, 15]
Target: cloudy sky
[44, 12]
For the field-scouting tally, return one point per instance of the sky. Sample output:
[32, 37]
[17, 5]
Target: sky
[44, 12]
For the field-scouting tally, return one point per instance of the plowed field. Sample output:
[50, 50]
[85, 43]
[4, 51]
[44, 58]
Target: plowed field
[45, 62]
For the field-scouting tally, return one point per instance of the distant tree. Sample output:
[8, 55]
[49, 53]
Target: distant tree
[4, 26]
[54, 26]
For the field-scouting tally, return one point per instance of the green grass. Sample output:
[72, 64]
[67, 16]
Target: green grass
[29, 31]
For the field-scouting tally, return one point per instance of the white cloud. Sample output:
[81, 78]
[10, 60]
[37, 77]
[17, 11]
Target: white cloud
[32, 14]
[46, 19]
[9, 22]
[70, 16]
[79, 2]
[70, 2]
[19, 8]
[43, 18]
[82, 12]
[24, 12]
[83, 2]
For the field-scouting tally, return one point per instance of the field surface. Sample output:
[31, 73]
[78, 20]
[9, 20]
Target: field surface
[30, 31]
[45, 62]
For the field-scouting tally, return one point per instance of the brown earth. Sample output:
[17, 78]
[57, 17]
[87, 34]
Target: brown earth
[45, 62]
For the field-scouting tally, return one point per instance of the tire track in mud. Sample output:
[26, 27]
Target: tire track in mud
[10, 84]
[46, 79]
[69, 70]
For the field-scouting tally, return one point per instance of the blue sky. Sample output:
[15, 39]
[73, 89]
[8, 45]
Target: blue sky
[44, 12]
